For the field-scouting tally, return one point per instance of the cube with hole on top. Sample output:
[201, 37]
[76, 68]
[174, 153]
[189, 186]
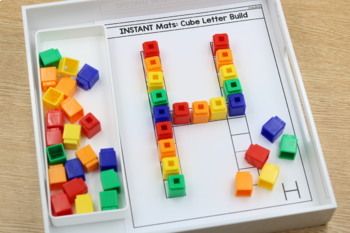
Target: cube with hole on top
[170, 166]
[218, 108]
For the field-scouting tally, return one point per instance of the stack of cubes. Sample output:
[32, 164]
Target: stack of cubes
[162, 121]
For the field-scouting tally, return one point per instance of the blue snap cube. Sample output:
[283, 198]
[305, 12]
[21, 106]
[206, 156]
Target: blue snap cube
[108, 159]
[74, 169]
[273, 128]
[161, 113]
[87, 77]
[236, 104]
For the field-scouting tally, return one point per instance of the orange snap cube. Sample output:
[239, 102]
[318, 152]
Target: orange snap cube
[200, 112]
[223, 57]
[57, 176]
[88, 158]
[67, 85]
[48, 77]
[167, 148]
[72, 109]
[153, 64]
[244, 184]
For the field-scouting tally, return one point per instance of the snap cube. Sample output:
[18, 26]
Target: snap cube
[170, 166]
[268, 176]
[257, 155]
[90, 125]
[200, 112]
[218, 108]
[110, 180]
[73, 188]
[232, 86]
[220, 41]
[227, 72]
[161, 113]
[88, 158]
[150, 49]
[60, 204]
[72, 109]
[288, 147]
[223, 57]
[68, 67]
[166, 148]
[84, 204]
[158, 97]
[164, 130]
[56, 154]
[243, 184]
[236, 104]
[108, 159]
[181, 113]
[57, 176]
[109, 200]
[87, 77]
[53, 136]
[155, 80]
[176, 186]
[48, 77]
[273, 128]
[74, 169]
[54, 119]
[50, 57]
[71, 136]
[67, 86]
[152, 64]
[52, 98]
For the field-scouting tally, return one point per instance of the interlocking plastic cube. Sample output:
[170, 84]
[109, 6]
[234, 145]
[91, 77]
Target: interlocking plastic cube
[48, 77]
[68, 67]
[52, 98]
[288, 147]
[74, 187]
[268, 176]
[53, 136]
[150, 49]
[164, 130]
[87, 77]
[72, 109]
[227, 72]
[176, 186]
[244, 184]
[257, 155]
[181, 113]
[220, 41]
[200, 112]
[170, 166]
[54, 119]
[56, 154]
[50, 57]
[84, 204]
[166, 148]
[152, 64]
[273, 128]
[108, 159]
[223, 57]
[57, 176]
[158, 97]
[88, 158]
[110, 180]
[90, 125]
[67, 85]
[232, 86]
[161, 113]
[218, 109]
[109, 200]
[60, 204]
[74, 169]
[236, 105]
[155, 80]
[71, 136]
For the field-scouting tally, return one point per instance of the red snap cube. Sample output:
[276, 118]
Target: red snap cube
[164, 130]
[60, 204]
[220, 41]
[54, 119]
[181, 113]
[90, 125]
[257, 155]
[150, 49]
[74, 187]
[53, 136]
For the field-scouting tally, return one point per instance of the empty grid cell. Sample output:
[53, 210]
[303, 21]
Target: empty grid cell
[238, 125]
[241, 142]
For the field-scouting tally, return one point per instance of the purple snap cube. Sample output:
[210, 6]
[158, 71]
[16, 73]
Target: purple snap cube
[273, 128]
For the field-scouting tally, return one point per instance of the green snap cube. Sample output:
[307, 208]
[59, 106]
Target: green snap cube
[110, 180]
[50, 57]
[109, 200]
[159, 97]
[232, 86]
[56, 154]
[288, 147]
[176, 186]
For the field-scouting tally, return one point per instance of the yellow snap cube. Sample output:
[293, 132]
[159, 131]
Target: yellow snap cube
[218, 108]
[227, 72]
[155, 80]
[52, 98]
[71, 136]
[84, 204]
[68, 66]
[268, 176]
[170, 166]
